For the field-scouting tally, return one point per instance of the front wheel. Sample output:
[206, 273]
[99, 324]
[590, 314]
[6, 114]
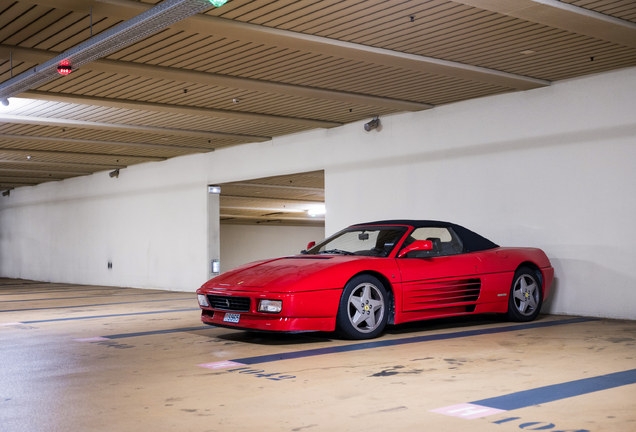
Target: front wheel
[526, 296]
[362, 313]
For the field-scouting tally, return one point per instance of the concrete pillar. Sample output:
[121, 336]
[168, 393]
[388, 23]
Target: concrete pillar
[214, 231]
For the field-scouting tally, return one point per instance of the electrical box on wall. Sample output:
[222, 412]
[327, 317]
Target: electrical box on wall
[215, 267]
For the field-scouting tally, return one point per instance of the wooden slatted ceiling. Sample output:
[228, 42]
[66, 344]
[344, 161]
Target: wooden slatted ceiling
[623, 9]
[441, 29]
[438, 28]
[384, 81]
[29, 25]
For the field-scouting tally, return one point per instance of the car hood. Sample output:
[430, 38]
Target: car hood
[282, 274]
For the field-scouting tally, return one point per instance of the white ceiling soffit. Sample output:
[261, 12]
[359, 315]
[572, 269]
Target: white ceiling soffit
[138, 27]
[565, 16]
[203, 24]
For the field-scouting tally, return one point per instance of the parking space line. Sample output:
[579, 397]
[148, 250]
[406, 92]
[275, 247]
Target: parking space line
[156, 332]
[555, 392]
[70, 290]
[394, 342]
[540, 395]
[95, 305]
[102, 316]
[84, 297]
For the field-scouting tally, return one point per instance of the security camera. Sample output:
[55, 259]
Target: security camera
[5, 102]
[114, 174]
[372, 124]
[6, 193]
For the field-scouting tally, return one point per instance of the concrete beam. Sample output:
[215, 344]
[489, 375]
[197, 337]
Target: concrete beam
[564, 16]
[106, 143]
[180, 109]
[49, 121]
[64, 153]
[65, 173]
[94, 167]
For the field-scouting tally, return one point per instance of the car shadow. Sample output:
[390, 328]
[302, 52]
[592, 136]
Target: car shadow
[275, 339]
[444, 324]
[416, 328]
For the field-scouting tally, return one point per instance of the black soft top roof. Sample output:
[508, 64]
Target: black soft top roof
[473, 242]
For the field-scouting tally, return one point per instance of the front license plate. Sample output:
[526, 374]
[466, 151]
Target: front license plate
[233, 318]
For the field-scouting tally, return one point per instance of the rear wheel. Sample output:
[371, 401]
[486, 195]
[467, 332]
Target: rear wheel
[526, 296]
[362, 313]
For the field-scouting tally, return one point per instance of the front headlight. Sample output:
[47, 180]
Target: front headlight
[203, 301]
[270, 306]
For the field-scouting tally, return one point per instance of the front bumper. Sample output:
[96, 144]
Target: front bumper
[302, 311]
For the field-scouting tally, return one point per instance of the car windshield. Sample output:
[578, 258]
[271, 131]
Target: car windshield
[364, 241]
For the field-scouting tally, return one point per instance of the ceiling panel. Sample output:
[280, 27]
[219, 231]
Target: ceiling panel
[623, 9]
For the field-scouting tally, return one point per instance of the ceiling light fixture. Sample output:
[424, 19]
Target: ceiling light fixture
[114, 174]
[218, 3]
[372, 124]
[236, 100]
[29, 157]
[318, 210]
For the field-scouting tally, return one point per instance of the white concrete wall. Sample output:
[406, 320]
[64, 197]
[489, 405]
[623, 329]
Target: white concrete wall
[551, 168]
[150, 223]
[241, 244]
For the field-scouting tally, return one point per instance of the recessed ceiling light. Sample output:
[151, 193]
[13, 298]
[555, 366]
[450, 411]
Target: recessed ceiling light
[527, 52]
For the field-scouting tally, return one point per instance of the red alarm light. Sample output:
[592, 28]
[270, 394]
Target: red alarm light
[65, 68]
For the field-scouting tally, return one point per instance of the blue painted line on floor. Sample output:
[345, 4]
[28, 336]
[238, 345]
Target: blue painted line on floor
[85, 297]
[108, 316]
[193, 299]
[157, 332]
[395, 342]
[556, 392]
[65, 290]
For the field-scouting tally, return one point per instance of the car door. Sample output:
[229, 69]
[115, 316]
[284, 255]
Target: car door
[442, 281]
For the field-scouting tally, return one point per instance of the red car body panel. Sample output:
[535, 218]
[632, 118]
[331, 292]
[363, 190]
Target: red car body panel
[310, 286]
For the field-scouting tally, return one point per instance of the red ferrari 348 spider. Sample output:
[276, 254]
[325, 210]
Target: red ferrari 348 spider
[370, 275]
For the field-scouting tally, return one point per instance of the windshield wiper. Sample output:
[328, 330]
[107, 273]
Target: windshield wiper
[337, 251]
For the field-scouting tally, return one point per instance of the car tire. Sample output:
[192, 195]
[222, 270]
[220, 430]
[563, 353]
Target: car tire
[363, 310]
[526, 295]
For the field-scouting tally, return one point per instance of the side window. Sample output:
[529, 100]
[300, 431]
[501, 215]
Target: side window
[445, 242]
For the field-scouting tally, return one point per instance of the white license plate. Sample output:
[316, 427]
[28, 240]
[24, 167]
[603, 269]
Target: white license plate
[230, 317]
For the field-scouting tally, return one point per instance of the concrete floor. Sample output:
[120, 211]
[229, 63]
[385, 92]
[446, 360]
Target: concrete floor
[146, 374]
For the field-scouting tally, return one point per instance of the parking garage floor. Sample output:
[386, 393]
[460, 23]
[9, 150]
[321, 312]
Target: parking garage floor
[90, 358]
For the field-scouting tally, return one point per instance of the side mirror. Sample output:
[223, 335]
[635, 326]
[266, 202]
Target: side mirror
[417, 245]
[311, 244]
